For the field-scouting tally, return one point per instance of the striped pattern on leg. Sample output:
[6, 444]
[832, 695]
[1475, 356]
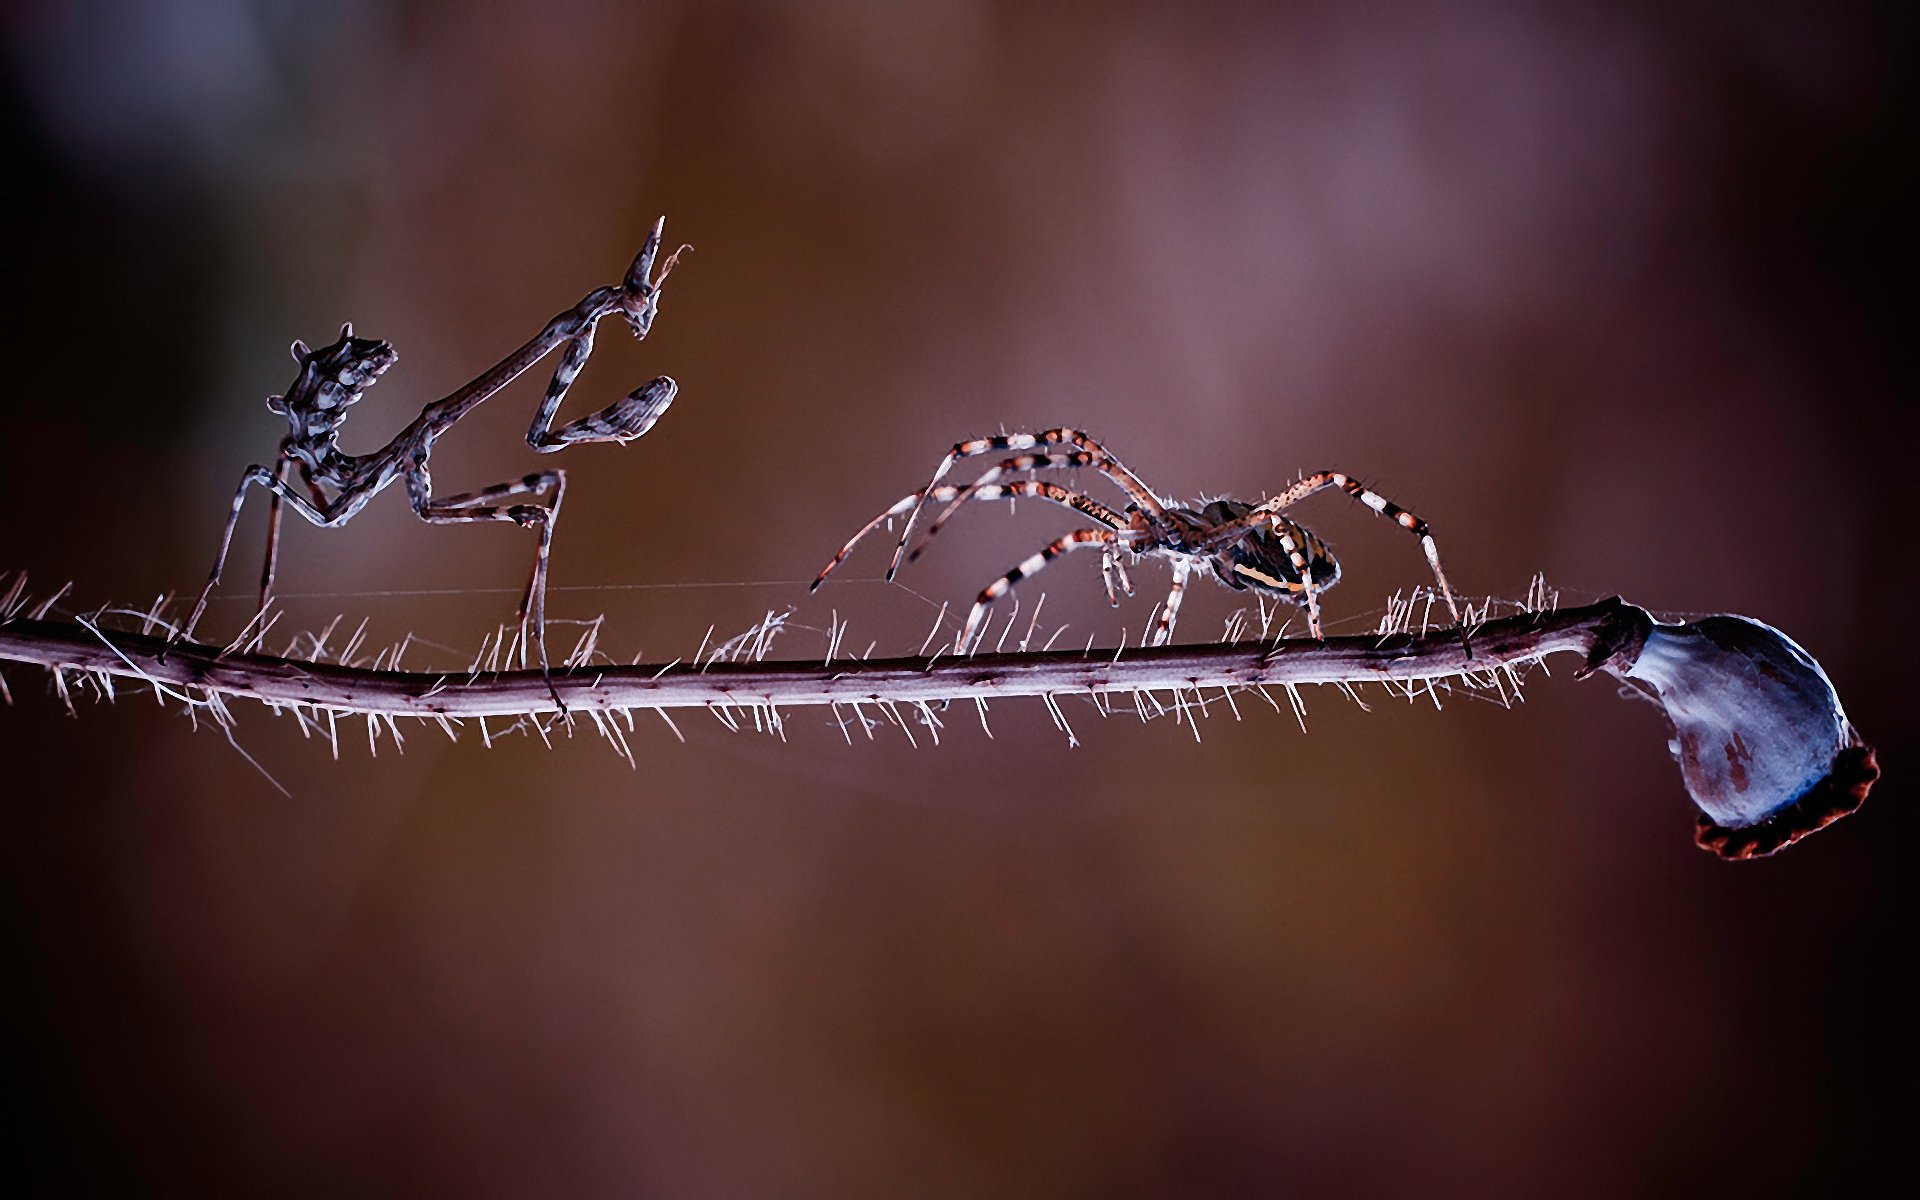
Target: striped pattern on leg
[479, 506]
[1111, 568]
[1079, 538]
[1399, 516]
[573, 358]
[622, 421]
[1163, 629]
[1300, 546]
[625, 419]
[1285, 529]
[1023, 462]
[1098, 457]
[954, 495]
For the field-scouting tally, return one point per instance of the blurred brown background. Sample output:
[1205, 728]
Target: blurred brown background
[1609, 292]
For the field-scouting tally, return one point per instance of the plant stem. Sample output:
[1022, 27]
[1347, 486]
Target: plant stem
[1598, 632]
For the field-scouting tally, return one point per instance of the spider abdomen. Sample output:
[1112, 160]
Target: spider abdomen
[1259, 559]
[1261, 563]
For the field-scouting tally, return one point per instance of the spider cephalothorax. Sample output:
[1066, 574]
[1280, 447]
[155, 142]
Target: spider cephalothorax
[1245, 545]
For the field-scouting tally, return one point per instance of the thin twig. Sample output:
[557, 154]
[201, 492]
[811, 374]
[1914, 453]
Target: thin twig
[1595, 632]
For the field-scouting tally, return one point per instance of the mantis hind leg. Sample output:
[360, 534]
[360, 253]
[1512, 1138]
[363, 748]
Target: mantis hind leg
[547, 488]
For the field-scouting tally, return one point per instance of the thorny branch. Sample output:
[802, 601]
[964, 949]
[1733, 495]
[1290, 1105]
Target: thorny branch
[1765, 750]
[1500, 645]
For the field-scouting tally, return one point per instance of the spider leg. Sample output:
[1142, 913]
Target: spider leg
[1023, 462]
[943, 495]
[1388, 509]
[481, 505]
[1284, 528]
[993, 591]
[1111, 568]
[985, 488]
[1098, 456]
[1163, 629]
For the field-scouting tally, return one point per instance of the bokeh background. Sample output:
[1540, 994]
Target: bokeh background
[1617, 293]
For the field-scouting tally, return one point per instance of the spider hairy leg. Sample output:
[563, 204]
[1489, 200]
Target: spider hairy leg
[1407, 521]
[1078, 539]
[1392, 512]
[1284, 529]
[1112, 569]
[987, 487]
[1103, 461]
[1163, 628]
[954, 495]
[1023, 462]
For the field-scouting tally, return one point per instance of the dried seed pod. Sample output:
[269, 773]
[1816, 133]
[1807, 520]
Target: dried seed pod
[1765, 749]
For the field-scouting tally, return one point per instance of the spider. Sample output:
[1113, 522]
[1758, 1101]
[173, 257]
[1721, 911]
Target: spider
[334, 377]
[1245, 545]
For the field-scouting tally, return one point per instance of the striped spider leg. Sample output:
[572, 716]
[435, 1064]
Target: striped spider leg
[950, 494]
[1107, 539]
[1091, 453]
[334, 377]
[1023, 462]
